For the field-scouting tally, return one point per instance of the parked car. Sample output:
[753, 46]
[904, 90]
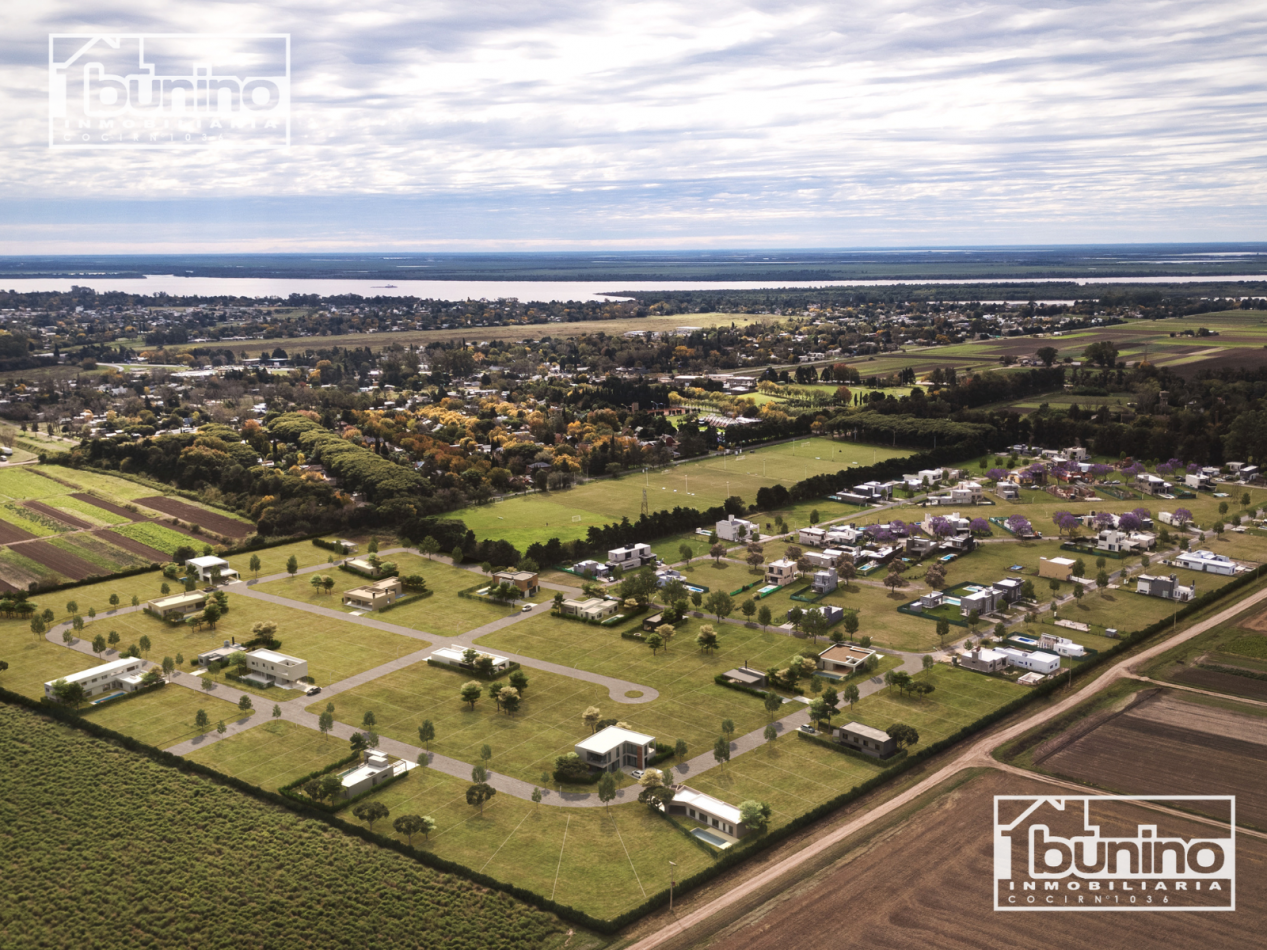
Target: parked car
[637, 773]
[313, 690]
[808, 730]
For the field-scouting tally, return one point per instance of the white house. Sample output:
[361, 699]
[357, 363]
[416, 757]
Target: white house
[273, 667]
[373, 770]
[611, 748]
[592, 569]
[707, 810]
[630, 557]
[1037, 662]
[206, 566]
[1061, 646]
[1206, 561]
[595, 608]
[812, 537]
[454, 656]
[122, 675]
[780, 572]
[982, 660]
[736, 529]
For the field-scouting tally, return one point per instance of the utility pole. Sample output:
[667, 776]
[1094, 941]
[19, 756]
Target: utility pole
[671, 883]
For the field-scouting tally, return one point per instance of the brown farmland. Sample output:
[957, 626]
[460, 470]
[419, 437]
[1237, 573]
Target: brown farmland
[154, 555]
[107, 506]
[9, 533]
[926, 883]
[1166, 745]
[55, 559]
[1222, 682]
[50, 512]
[199, 516]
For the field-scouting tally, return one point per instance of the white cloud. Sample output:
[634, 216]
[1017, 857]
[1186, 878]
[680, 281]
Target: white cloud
[759, 123]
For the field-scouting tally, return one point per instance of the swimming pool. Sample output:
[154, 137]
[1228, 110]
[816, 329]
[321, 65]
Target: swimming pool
[106, 699]
[710, 838]
[768, 589]
[1024, 641]
[690, 587]
[953, 601]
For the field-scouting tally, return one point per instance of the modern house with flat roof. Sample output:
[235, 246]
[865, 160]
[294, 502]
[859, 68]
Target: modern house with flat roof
[1061, 646]
[825, 581]
[177, 605]
[453, 656]
[812, 537]
[1058, 568]
[713, 812]
[1167, 588]
[595, 608]
[736, 529]
[780, 572]
[844, 657]
[611, 748]
[867, 740]
[374, 596]
[122, 675]
[630, 557]
[1036, 662]
[373, 770]
[273, 668]
[746, 677]
[982, 660]
[1206, 561]
[525, 581]
[363, 565]
[207, 567]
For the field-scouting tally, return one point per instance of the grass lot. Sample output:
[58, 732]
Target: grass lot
[334, 649]
[698, 484]
[34, 661]
[444, 613]
[166, 717]
[273, 754]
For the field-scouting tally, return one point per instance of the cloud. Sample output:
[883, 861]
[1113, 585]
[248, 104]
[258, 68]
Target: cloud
[760, 123]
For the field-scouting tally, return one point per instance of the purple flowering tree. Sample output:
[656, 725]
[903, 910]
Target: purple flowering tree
[1103, 520]
[941, 527]
[1134, 468]
[979, 526]
[1064, 521]
[997, 474]
[1019, 526]
[1143, 514]
[1181, 516]
[1129, 522]
[899, 528]
[1193, 468]
[1099, 470]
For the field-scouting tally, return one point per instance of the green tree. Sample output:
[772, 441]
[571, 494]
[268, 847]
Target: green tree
[211, 614]
[208, 684]
[1047, 354]
[706, 639]
[974, 618]
[292, 565]
[927, 662]
[427, 734]
[748, 608]
[686, 552]
[255, 565]
[201, 721]
[457, 559]
[429, 546]
[903, 734]
[755, 816]
[38, 626]
[370, 812]
[943, 628]
[325, 722]
[771, 732]
[277, 711]
[1102, 353]
[114, 600]
[655, 641]
[536, 795]
[721, 751]
[471, 693]
[772, 702]
[479, 793]
[169, 665]
[220, 727]
[408, 825]
[851, 624]
[98, 644]
[851, 694]
[144, 644]
[679, 750]
[607, 790]
[727, 727]
[72, 607]
[369, 720]
[764, 616]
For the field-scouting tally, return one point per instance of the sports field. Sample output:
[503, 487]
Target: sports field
[699, 484]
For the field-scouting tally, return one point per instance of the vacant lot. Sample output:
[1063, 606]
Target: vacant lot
[700, 484]
[1167, 744]
[929, 884]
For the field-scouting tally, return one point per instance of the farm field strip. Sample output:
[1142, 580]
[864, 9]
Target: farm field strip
[219, 523]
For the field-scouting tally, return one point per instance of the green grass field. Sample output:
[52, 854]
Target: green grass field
[699, 484]
[272, 754]
[166, 717]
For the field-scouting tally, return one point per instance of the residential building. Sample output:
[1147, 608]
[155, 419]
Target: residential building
[1061, 646]
[595, 608]
[177, 605]
[984, 601]
[831, 614]
[611, 748]
[592, 569]
[630, 557]
[455, 656]
[846, 535]
[1076, 454]
[1036, 662]
[1115, 542]
[207, 567]
[825, 581]
[374, 596]
[1008, 490]
[272, 668]
[122, 675]
[822, 559]
[1198, 482]
[1206, 561]
[1010, 588]
[932, 600]
[1167, 588]
[867, 740]
[1152, 484]
[754, 679]
[373, 770]
[737, 529]
[363, 565]
[919, 547]
[844, 657]
[812, 537]
[1058, 568]
[665, 574]
[707, 810]
[525, 581]
[780, 572]
[982, 660]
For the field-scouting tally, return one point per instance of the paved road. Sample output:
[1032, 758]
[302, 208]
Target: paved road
[978, 754]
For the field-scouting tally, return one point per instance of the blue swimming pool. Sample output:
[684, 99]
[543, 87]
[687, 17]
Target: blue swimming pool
[693, 588]
[106, 699]
[710, 838]
[768, 589]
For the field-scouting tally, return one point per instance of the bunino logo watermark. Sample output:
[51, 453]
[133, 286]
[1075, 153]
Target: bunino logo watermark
[171, 91]
[1053, 853]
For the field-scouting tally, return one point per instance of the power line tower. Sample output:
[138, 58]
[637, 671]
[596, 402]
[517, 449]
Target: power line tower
[645, 509]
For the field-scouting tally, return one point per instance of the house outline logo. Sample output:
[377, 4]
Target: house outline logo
[1041, 866]
[168, 90]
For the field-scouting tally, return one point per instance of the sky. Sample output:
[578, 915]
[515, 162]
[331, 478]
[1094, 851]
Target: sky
[560, 125]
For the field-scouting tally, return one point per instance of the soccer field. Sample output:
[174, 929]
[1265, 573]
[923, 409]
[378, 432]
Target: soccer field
[699, 484]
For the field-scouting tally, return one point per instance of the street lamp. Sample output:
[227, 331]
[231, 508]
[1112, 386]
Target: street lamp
[671, 883]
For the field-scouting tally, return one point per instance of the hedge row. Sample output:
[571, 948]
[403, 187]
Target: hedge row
[567, 778]
[334, 807]
[510, 668]
[330, 545]
[720, 680]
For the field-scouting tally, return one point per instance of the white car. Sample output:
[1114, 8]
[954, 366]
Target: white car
[527, 607]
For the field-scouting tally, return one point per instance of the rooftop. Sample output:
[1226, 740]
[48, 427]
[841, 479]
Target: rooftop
[105, 668]
[714, 806]
[612, 737]
[867, 732]
[271, 656]
[179, 600]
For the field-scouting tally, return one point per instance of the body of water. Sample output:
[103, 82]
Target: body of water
[493, 289]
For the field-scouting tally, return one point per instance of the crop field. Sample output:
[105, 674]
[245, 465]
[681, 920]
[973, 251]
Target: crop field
[933, 875]
[698, 484]
[167, 819]
[218, 522]
[159, 537]
[1165, 743]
